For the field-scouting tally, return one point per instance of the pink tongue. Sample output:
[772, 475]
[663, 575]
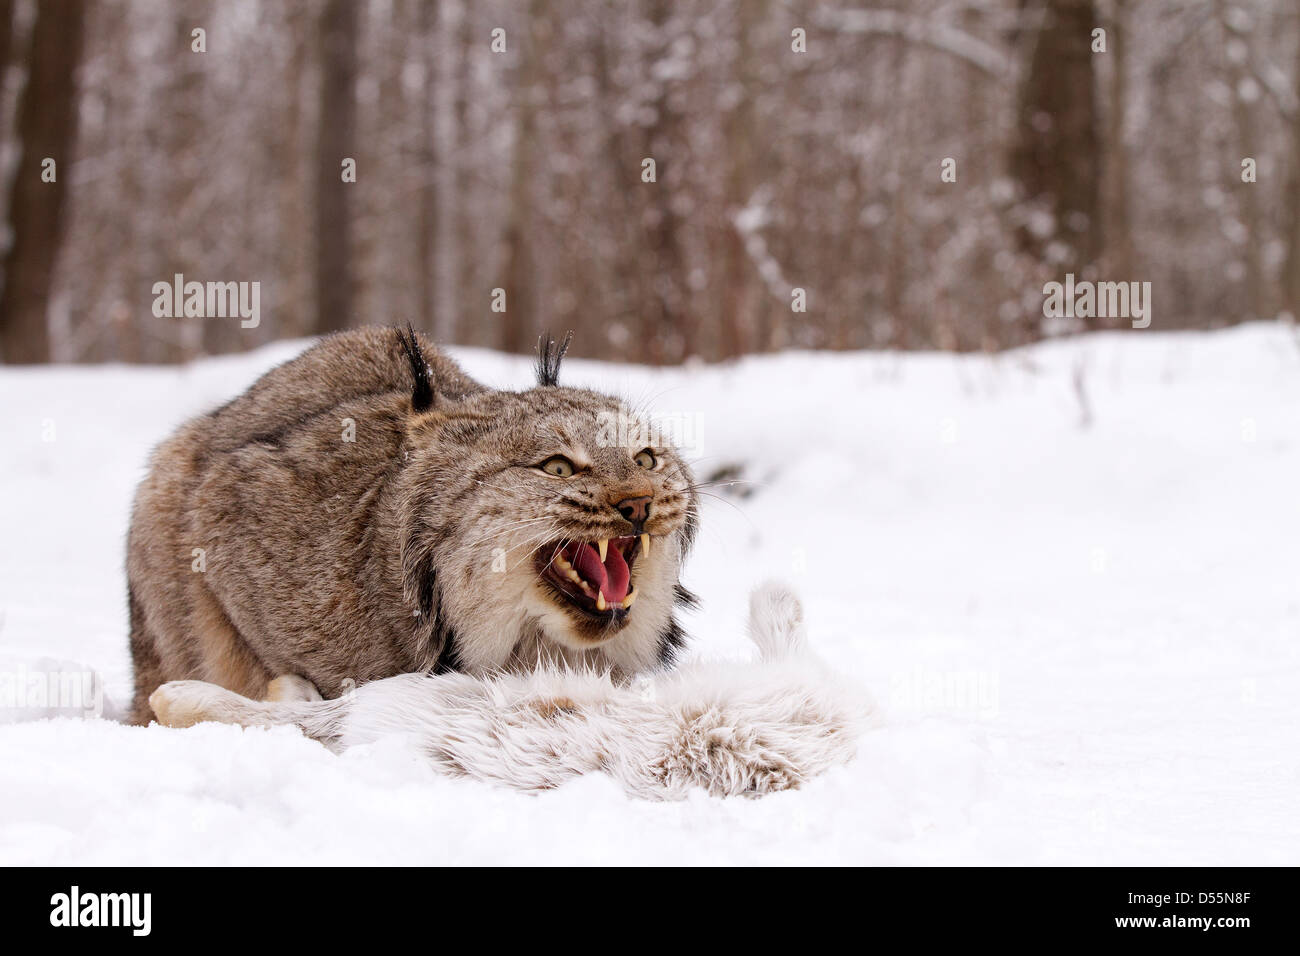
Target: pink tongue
[617, 575]
[611, 577]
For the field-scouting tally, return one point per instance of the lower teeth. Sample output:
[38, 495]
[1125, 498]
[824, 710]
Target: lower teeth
[599, 596]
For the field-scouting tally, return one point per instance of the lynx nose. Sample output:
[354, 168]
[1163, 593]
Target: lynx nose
[635, 510]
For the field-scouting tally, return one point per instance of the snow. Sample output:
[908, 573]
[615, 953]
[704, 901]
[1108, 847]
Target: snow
[1083, 638]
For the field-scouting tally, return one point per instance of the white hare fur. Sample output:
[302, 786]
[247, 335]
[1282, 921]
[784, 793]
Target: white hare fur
[731, 728]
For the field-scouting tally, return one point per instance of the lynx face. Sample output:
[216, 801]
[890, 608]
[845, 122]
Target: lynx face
[546, 538]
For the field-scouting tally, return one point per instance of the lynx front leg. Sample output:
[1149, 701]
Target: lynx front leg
[184, 703]
[291, 701]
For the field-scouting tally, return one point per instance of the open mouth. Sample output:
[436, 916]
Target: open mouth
[594, 576]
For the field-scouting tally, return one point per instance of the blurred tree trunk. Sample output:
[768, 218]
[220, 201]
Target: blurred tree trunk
[903, 333]
[1247, 126]
[1291, 266]
[293, 189]
[6, 136]
[518, 269]
[390, 145]
[427, 162]
[336, 140]
[630, 286]
[668, 318]
[128, 332]
[185, 172]
[461, 262]
[47, 127]
[1118, 235]
[738, 282]
[1056, 156]
[6, 44]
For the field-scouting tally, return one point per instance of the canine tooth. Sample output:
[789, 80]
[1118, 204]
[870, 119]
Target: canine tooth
[645, 545]
[603, 546]
[631, 596]
[600, 601]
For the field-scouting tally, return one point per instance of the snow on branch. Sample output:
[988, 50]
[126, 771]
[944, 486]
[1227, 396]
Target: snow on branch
[1264, 72]
[1274, 80]
[940, 36]
[748, 222]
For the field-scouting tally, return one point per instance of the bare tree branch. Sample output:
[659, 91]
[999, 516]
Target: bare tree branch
[939, 36]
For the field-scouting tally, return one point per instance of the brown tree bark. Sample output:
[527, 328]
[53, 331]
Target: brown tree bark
[336, 140]
[1118, 235]
[1291, 265]
[6, 45]
[1246, 118]
[47, 127]
[904, 333]
[738, 281]
[429, 212]
[293, 191]
[462, 263]
[1056, 157]
[186, 166]
[519, 271]
[670, 328]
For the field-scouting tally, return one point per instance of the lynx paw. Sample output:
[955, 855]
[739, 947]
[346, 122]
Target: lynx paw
[184, 703]
[289, 687]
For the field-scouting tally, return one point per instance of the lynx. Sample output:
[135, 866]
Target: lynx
[368, 510]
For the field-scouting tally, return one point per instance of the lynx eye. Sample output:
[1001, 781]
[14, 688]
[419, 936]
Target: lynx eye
[559, 466]
[646, 459]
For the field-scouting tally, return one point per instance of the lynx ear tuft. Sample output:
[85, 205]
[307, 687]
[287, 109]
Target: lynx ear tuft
[422, 397]
[549, 355]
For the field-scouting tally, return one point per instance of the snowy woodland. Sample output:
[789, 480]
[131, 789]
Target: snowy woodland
[1059, 555]
[499, 145]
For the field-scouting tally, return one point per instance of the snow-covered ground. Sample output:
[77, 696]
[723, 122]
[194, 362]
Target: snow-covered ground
[1084, 640]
